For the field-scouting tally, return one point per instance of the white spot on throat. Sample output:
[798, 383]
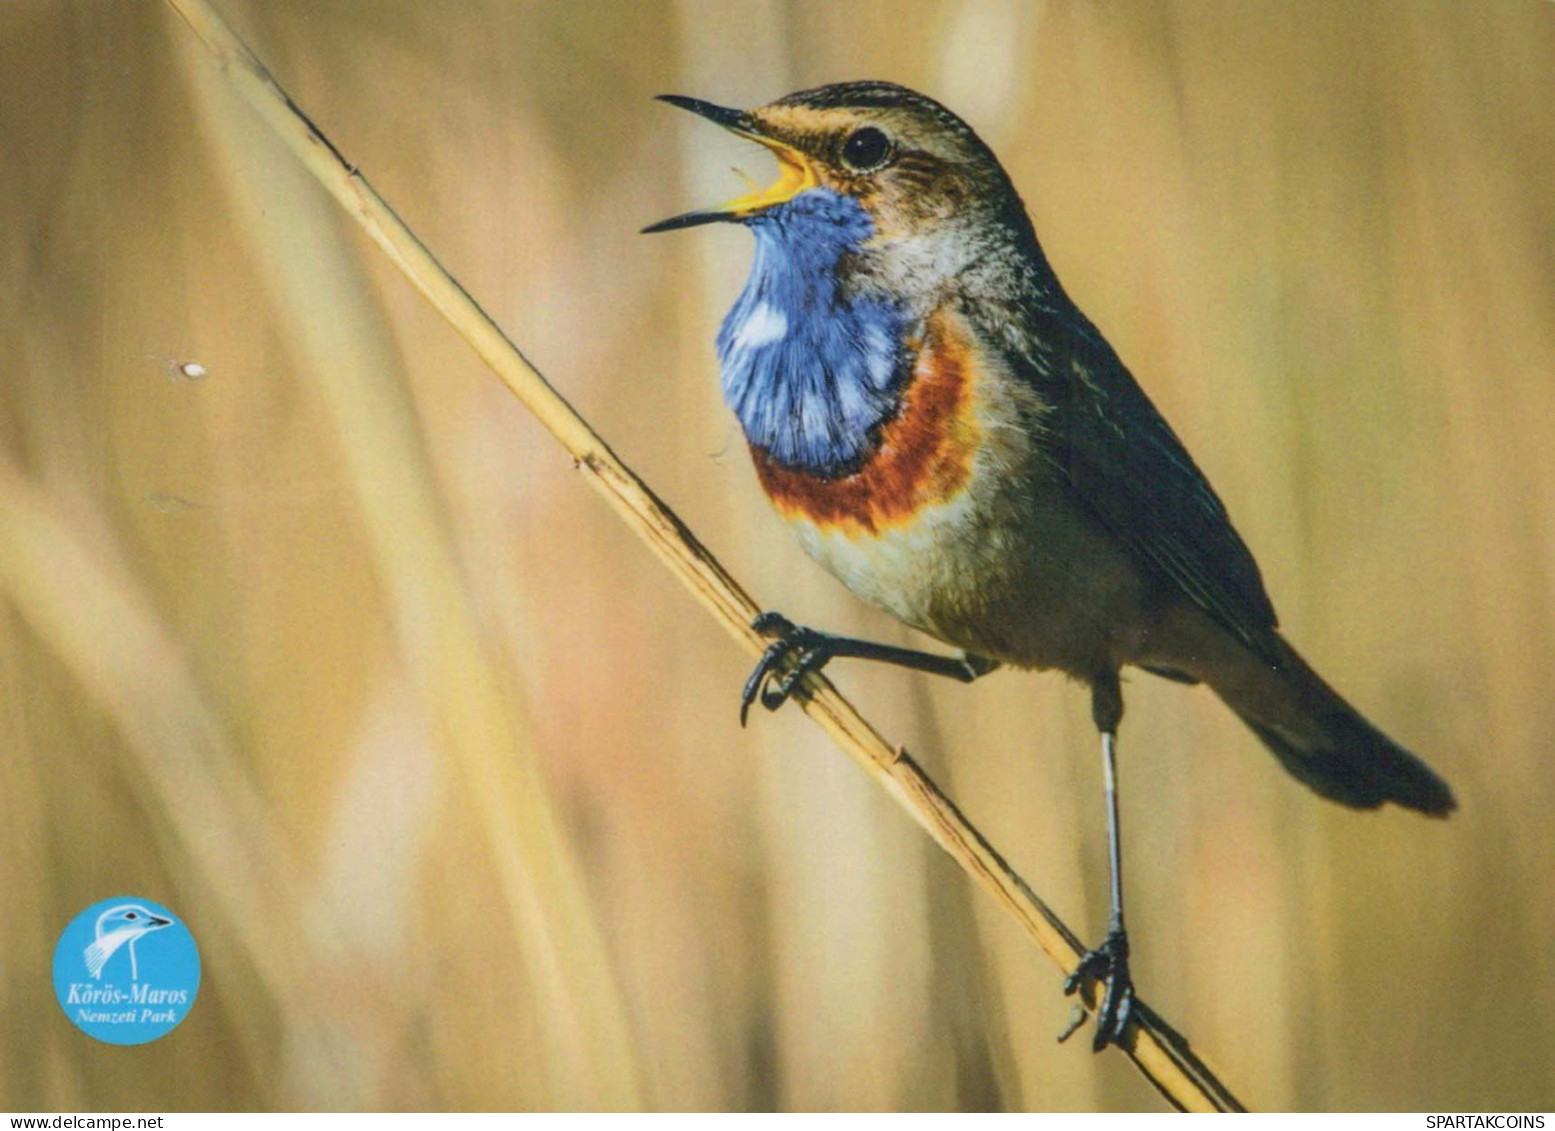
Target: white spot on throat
[765, 324]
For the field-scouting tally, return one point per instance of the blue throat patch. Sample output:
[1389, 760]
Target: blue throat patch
[809, 372]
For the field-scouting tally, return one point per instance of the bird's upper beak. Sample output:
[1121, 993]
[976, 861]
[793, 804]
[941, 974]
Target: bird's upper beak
[797, 173]
[158, 921]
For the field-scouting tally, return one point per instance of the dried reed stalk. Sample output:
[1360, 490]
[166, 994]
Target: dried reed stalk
[1161, 1054]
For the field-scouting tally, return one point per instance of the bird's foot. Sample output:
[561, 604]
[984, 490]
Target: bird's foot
[795, 651]
[1108, 963]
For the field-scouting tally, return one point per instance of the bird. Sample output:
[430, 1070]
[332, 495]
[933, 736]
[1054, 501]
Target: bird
[121, 926]
[949, 435]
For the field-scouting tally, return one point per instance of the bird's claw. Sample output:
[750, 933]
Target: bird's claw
[1108, 964]
[796, 651]
[772, 623]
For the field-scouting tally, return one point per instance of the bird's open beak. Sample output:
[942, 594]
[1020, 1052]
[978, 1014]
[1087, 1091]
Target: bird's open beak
[797, 173]
[158, 921]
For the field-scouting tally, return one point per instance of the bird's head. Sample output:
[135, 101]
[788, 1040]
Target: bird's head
[877, 168]
[132, 918]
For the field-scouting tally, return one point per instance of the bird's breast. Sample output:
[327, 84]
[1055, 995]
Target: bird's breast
[957, 524]
[921, 458]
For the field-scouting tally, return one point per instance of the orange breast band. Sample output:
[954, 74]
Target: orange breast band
[923, 457]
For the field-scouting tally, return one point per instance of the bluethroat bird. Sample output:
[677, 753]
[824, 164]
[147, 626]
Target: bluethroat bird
[950, 436]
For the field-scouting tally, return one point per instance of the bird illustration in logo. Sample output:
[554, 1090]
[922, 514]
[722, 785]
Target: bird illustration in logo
[119, 927]
[948, 434]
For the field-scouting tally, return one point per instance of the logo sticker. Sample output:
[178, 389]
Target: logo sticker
[126, 971]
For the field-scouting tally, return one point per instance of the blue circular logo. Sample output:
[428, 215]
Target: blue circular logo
[126, 971]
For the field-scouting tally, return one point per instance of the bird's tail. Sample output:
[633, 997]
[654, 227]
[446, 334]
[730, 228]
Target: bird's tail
[1324, 741]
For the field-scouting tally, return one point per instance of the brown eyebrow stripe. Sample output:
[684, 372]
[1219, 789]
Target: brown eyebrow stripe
[873, 95]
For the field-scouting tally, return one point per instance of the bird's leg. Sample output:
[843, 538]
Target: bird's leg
[1108, 963]
[797, 650]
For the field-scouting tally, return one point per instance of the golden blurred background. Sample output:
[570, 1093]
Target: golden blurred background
[328, 648]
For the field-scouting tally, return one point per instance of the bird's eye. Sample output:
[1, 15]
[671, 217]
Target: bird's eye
[131, 915]
[866, 148]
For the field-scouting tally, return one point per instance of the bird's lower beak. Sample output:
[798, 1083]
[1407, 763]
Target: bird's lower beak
[795, 176]
[158, 921]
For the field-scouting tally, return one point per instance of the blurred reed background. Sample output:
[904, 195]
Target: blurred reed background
[331, 651]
